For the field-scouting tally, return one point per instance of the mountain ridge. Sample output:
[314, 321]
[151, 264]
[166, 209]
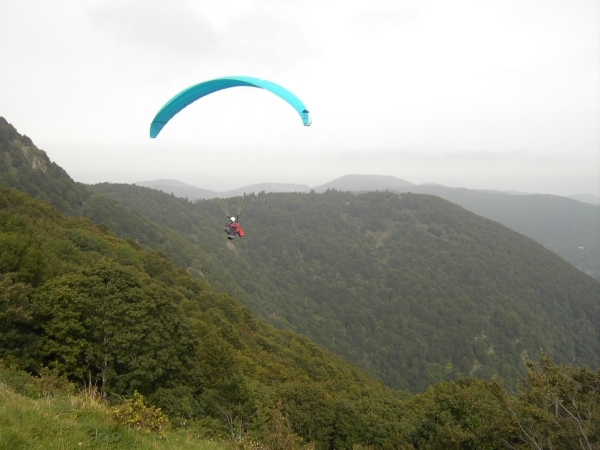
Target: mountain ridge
[562, 225]
[183, 190]
[344, 183]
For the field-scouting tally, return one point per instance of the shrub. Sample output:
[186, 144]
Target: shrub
[136, 414]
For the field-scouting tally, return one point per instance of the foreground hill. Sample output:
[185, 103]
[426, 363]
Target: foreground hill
[94, 307]
[27, 423]
[556, 408]
[411, 287]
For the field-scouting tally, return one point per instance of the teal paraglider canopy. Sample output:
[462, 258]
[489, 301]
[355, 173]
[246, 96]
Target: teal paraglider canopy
[197, 91]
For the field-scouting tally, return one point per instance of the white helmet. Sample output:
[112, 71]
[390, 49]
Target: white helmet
[233, 219]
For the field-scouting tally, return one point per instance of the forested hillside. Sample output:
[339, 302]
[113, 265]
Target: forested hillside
[26, 168]
[85, 313]
[411, 287]
[566, 226]
[76, 298]
[99, 310]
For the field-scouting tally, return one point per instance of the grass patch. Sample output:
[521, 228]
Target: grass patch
[80, 421]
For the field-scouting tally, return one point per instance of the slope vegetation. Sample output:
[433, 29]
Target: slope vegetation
[25, 167]
[101, 310]
[411, 287]
[81, 308]
[566, 226]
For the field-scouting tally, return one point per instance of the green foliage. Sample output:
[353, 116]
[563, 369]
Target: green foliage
[80, 421]
[410, 287]
[276, 433]
[47, 384]
[15, 313]
[111, 322]
[567, 227]
[136, 414]
[559, 407]
[463, 415]
[104, 312]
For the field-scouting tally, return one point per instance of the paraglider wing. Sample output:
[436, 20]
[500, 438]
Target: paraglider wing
[193, 93]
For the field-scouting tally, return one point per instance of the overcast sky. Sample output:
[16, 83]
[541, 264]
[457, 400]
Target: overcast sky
[481, 94]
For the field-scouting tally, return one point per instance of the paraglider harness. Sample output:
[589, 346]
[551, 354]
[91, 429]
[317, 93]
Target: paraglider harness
[233, 228]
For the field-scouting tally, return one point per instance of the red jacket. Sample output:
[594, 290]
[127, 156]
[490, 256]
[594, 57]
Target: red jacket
[237, 229]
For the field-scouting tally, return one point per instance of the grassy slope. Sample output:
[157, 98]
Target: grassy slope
[77, 421]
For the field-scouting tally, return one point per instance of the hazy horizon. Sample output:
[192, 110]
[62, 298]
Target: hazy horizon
[156, 182]
[501, 96]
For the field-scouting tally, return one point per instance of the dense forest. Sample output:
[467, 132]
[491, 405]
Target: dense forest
[567, 227]
[79, 300]
[90, 306]
[413, 288]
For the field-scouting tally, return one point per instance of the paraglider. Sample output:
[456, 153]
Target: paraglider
[197, 91]
[233, 229]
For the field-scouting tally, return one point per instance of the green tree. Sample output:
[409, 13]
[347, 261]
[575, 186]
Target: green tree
[110, 323]
[16, 321]
[559, 407]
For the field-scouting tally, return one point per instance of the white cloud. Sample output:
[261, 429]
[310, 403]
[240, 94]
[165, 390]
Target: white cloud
[157, 29]
[425, 90]
[171, 36]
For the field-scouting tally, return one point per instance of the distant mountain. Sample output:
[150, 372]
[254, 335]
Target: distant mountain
[267, 188]
[517, 193]
[183, 190]
[586, 198]
[561, 224]
[360, 183]
[178, 189]
[162, 182]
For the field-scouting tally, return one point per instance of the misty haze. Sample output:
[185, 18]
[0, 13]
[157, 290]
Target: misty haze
[318, 225]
